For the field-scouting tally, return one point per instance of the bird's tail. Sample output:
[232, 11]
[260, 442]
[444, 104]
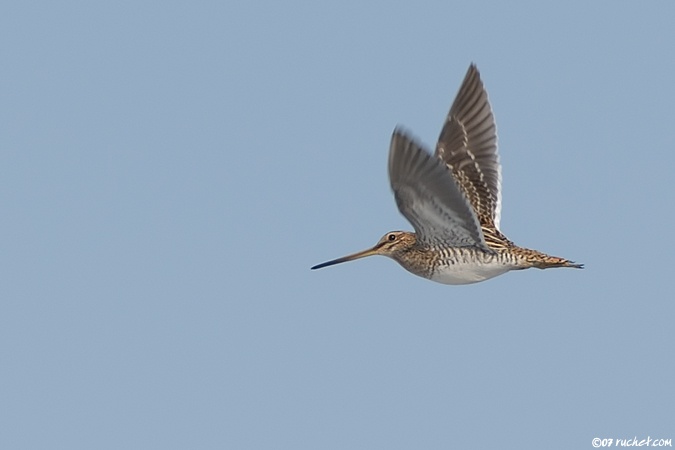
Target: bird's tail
[532, 258]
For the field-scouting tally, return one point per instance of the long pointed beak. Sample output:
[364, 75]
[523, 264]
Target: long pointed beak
[363, 254]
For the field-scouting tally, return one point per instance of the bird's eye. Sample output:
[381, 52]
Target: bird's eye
[392, 237]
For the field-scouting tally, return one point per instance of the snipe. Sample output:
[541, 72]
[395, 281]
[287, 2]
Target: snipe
[453, 200]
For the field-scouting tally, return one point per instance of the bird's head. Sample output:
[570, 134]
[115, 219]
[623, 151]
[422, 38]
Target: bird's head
[392, 244]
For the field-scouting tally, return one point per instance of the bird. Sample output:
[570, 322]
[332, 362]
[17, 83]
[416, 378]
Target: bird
[453, 200]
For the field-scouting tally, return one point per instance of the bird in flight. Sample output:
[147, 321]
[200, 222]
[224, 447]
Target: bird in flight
[453, 200]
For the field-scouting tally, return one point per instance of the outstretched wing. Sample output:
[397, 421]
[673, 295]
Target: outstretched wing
[429, 197]
[468, 145]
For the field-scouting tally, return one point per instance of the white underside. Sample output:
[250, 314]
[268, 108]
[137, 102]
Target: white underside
[468, 273]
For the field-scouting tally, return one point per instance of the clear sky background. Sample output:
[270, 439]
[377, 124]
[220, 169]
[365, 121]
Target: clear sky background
[169, 172]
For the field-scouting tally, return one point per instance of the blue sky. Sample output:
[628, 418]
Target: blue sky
[169, 172]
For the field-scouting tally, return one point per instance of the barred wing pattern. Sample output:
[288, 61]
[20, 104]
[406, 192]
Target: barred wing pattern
[468, 145]
[429, 197]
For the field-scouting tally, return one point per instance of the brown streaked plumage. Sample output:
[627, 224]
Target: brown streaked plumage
[453, 200]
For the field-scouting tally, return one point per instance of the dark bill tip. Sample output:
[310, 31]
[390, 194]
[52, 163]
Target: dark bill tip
[326, 264]
[369, 252]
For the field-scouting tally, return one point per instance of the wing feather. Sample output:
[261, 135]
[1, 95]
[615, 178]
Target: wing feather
[429, 197]
[468, 145]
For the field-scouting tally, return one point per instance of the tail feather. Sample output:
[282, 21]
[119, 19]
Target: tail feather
[533, 258]
[554, 261]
